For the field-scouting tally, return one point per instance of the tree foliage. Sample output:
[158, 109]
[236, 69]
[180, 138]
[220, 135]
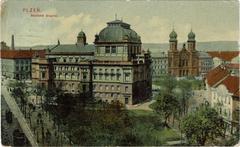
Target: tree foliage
[165, 105]
[20, 93]
[202, 124]
[185, 94]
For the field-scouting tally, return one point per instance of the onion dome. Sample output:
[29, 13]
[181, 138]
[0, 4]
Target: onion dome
[173, 36]
[191, 36]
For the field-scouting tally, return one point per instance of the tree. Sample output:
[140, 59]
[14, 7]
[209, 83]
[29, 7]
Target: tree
[202, 124]
[165, 105]
[186, 90]
[20, 93]
[39, 91]
[169, 82]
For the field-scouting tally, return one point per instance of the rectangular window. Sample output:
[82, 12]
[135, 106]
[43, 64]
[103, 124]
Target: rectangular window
[107, 49]
[43, 75]
[126, 88]
[76, 60]
[98, 50]
[94, 76]
[113, 51]
[118, 77]
[127, 77]
[84, 76]
[100, 76]
[118, 88]
[84, 88]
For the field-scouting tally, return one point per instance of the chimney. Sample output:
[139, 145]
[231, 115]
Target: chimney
[13, 48]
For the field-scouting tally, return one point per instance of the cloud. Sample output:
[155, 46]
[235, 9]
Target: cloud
[67, 27]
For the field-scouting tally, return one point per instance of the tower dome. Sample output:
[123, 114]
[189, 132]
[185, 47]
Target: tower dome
[81, 34]
[118, 31]
[191, 36]
[173, 36]
[81, 38]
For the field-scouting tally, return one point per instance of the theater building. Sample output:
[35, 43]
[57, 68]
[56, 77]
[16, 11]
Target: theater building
[114, 68]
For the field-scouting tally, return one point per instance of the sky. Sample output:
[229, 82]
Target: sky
[153, 20]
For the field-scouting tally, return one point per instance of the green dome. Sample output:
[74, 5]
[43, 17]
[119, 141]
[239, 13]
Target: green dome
[81, 34]
[191, 36]
[173, 36]
[118, 31]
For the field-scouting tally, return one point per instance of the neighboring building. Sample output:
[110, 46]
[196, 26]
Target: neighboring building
[4, 46]
[205, 63]
[159, 65]
[183, 62]
[223, 93]
[16, 64]
[233, 68]
[115, 68]
[224, 57]
[67, 66]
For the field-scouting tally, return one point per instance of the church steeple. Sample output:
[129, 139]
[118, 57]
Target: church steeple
[173, 40]
[191, 41]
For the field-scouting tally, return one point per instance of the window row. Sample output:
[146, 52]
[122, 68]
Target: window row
[68, 68]
[71, 59]
[23, 62]
[22, 68]
[159, 61]
[159, 67]
[100, 70]
[107, 95]
[110, 87]
[70, 76]
[107, 77]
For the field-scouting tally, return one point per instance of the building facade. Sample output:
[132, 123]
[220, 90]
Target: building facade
[115, 68]
[223, 93]
[224, 57]
[159, 65]
[183, 62]
[205, 63]
[16, 64]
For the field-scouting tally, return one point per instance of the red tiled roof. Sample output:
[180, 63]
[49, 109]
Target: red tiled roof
[232, 84]
[224, 55]
[19, 54]
[216, 74]
[237, 94]
[233, 65]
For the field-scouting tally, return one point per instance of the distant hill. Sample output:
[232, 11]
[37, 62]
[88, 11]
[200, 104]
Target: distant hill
[159, 47]
[201, 46]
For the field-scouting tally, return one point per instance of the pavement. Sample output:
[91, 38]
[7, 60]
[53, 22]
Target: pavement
[141, 106]
[18, 114]
[32, 129]
[7, 128]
